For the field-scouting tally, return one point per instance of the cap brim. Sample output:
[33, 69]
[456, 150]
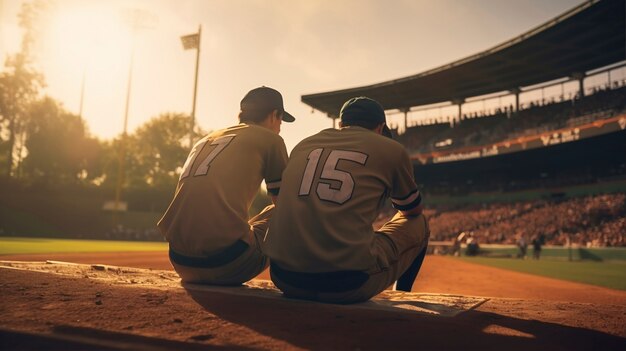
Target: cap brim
[287, 117]
[387, 132]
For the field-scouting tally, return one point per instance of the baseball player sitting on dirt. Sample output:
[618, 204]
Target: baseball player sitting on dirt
[210, 237]
[321, 243]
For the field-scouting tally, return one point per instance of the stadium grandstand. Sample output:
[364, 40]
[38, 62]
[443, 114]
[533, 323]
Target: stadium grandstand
[529, 131]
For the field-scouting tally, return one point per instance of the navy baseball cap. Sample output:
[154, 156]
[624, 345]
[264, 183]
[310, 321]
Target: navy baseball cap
[265, 99]
[364, 109]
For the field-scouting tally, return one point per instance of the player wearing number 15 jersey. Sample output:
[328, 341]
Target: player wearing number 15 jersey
[211, 239]
[321, 242]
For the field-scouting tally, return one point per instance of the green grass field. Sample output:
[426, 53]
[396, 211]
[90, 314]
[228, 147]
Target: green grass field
[607, 274]
[13, 246]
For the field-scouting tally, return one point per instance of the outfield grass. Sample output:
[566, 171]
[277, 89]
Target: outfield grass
[13, 246]
[607, 274]
[558, 252]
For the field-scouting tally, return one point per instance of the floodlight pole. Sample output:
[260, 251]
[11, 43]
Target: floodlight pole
[129, 84]
[82, 92]
[195, 88]
[122, 152]
[137, 19]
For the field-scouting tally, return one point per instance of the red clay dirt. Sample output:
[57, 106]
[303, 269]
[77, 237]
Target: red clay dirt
[439, 274]
[525, 311]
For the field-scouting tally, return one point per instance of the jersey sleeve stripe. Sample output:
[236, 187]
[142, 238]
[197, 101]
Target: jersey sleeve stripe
[408, 205]
[407, 199]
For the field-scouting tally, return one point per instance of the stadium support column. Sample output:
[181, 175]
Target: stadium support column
[406, 117]
[516, 91]
[334, 118]
[460, 103]
[581, 86]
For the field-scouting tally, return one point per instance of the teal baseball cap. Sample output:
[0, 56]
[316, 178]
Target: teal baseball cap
[362, 108]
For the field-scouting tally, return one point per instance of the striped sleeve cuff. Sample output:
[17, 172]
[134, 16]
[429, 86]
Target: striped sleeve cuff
[407, 203]
[273, 187]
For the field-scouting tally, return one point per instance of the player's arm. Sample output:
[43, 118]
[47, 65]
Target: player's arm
[404, 194]
[411, 205]
[276, 162]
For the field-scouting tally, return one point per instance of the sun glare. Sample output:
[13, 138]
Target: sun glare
[89, 33]
[88, 45]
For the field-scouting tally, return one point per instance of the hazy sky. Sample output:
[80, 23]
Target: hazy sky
[297, 47]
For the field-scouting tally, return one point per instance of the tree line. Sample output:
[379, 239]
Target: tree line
[56, 177]
[42, 142]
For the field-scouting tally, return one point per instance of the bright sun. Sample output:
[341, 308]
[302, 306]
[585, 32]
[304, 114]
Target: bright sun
[89, 32]
[88, 47]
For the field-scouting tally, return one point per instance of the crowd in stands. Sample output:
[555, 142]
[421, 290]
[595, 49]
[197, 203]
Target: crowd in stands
[593, 221]
[503, 123]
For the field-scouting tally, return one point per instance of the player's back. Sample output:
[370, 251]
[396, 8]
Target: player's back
[332, 190]
[218, 183]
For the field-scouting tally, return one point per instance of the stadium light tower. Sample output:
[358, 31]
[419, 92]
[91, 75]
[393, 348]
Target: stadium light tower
[82, 91]
[137, 19]
[190, 42]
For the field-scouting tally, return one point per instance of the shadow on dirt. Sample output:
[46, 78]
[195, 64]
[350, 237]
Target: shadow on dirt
[325, 326]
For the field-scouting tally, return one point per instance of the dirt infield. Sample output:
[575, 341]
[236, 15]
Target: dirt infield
[524, 312]
[439, 274]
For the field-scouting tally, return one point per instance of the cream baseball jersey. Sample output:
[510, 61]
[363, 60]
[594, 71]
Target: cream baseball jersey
[218, 182]
[332, 190]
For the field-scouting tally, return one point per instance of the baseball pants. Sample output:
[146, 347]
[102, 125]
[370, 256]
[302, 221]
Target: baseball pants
[397, 244]
[243, 268]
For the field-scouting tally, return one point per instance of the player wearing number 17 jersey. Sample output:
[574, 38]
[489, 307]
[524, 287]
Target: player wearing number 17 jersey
[211, 239]
[321, 242]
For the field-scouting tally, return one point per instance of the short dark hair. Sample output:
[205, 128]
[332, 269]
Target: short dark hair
[371, 125]
[255, 116]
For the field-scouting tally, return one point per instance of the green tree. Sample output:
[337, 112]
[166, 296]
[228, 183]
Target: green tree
[109, 162]
[58, 146]
[19, 87]
[156, 151]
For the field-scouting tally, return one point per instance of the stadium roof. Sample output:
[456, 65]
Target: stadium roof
[589, 36]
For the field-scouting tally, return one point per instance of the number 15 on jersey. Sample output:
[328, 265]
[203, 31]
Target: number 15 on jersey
[324, 189]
